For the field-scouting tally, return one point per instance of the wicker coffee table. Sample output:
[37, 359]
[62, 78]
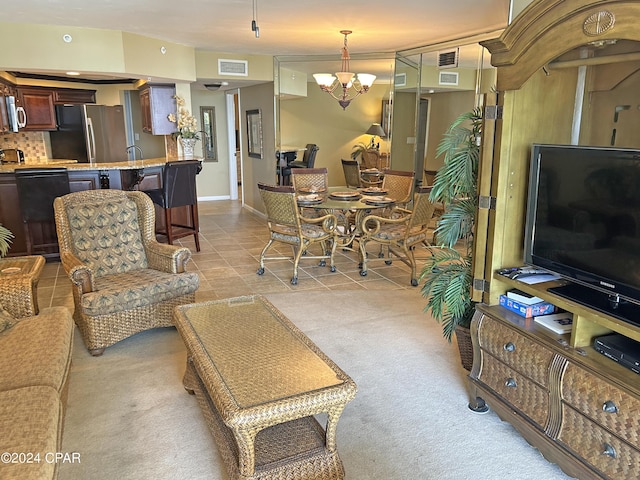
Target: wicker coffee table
[259, 382]
[19, 282]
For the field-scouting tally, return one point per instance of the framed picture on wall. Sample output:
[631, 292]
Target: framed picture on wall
[254, 133]
[385, 121]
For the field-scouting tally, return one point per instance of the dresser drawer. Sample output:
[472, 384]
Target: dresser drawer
[604, 451]
[609, 406]
[519, 391]
[515, 350]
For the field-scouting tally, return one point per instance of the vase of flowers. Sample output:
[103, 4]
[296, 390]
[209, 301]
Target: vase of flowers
[187, 126]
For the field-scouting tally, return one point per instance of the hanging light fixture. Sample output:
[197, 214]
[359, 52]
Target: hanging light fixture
[351, 87]
[254, 23]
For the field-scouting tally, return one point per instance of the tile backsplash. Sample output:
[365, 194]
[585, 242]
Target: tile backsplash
[33, 144]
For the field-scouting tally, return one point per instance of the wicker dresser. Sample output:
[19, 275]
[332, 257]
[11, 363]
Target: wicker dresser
[580, 409]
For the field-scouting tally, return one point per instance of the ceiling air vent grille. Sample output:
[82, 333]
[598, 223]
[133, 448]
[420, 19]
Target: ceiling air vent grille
[448, 59]
[448, 78]
[400, 80]
[239, 68]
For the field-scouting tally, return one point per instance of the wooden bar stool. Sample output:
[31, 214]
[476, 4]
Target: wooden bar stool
[178, 190]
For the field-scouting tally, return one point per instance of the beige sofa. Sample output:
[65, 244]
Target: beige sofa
[35, 358]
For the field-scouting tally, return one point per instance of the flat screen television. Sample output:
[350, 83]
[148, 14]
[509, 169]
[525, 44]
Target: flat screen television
[583, 223]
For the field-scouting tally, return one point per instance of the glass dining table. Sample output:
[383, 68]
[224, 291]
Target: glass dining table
[349, 205]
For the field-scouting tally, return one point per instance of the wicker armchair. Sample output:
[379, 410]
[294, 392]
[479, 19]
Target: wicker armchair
[124, 281]
[287, 225]
[401, 232]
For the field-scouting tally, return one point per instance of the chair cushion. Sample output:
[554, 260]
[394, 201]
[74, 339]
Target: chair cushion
[136, 288]
[37, 350]
[30, 422]
[6, 320]
[398, 231]
[106, 236]
[287, 234]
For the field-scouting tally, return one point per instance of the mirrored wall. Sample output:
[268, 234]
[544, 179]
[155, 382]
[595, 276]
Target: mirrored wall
[305, 114]
[415, 97]
[433, 86]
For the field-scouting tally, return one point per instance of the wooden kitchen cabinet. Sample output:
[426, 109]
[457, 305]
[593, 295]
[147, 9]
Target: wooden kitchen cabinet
[10, 216]
[80, 180]
[38, 104]
[74, 96]
[157, 101]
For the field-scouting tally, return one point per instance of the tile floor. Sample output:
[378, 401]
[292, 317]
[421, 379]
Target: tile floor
[231, 239]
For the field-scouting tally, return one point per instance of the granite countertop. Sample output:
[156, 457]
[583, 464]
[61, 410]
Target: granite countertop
[74, 165]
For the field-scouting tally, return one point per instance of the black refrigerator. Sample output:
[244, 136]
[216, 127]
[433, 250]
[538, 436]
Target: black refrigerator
[90, 134]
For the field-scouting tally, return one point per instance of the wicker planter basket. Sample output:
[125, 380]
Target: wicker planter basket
[465, 346]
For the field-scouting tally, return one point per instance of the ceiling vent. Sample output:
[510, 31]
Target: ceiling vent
[238, 68]
[400, 80]
[448, 59]
[448, 78]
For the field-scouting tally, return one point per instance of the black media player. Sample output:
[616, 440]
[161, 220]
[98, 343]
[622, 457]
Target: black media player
[620, 349]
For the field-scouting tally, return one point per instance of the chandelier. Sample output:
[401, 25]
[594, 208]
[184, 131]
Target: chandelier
[351, 85]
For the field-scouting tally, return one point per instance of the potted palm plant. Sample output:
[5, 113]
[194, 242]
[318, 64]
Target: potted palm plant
[5, 240]
[358, 150]
[447, 274]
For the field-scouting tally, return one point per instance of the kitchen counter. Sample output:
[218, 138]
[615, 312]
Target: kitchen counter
[73, 165]
[130, 175]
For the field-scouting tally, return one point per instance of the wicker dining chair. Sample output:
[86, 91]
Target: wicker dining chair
[401, 232]
[311, 179]
[399, 185]
[353, 176]
[287, 225]
[123, 280]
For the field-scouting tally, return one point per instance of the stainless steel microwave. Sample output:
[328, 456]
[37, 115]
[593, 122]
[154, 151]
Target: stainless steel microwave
[16, 116]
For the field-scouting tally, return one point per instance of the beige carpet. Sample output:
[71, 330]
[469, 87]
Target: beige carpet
[129, 417]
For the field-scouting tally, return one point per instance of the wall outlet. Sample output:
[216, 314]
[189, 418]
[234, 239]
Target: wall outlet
[411, 140]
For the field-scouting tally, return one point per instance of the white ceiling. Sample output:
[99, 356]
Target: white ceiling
[287, 27]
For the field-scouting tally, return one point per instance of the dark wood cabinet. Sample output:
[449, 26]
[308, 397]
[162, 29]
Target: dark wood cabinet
[38, 104]
[76, 96]
[10, 216]
[157, 101]
[84, 180]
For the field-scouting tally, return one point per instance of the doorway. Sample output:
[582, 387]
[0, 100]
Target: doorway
[421, 139]
[236, 190]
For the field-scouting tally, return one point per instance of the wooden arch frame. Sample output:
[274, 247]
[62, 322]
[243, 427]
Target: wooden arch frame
[548, 28]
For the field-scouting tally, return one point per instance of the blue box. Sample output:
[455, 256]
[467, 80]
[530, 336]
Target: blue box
[527, 311]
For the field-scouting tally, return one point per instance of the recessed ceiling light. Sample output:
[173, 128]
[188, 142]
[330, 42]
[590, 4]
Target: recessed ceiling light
[73, 73]
[67, 38]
